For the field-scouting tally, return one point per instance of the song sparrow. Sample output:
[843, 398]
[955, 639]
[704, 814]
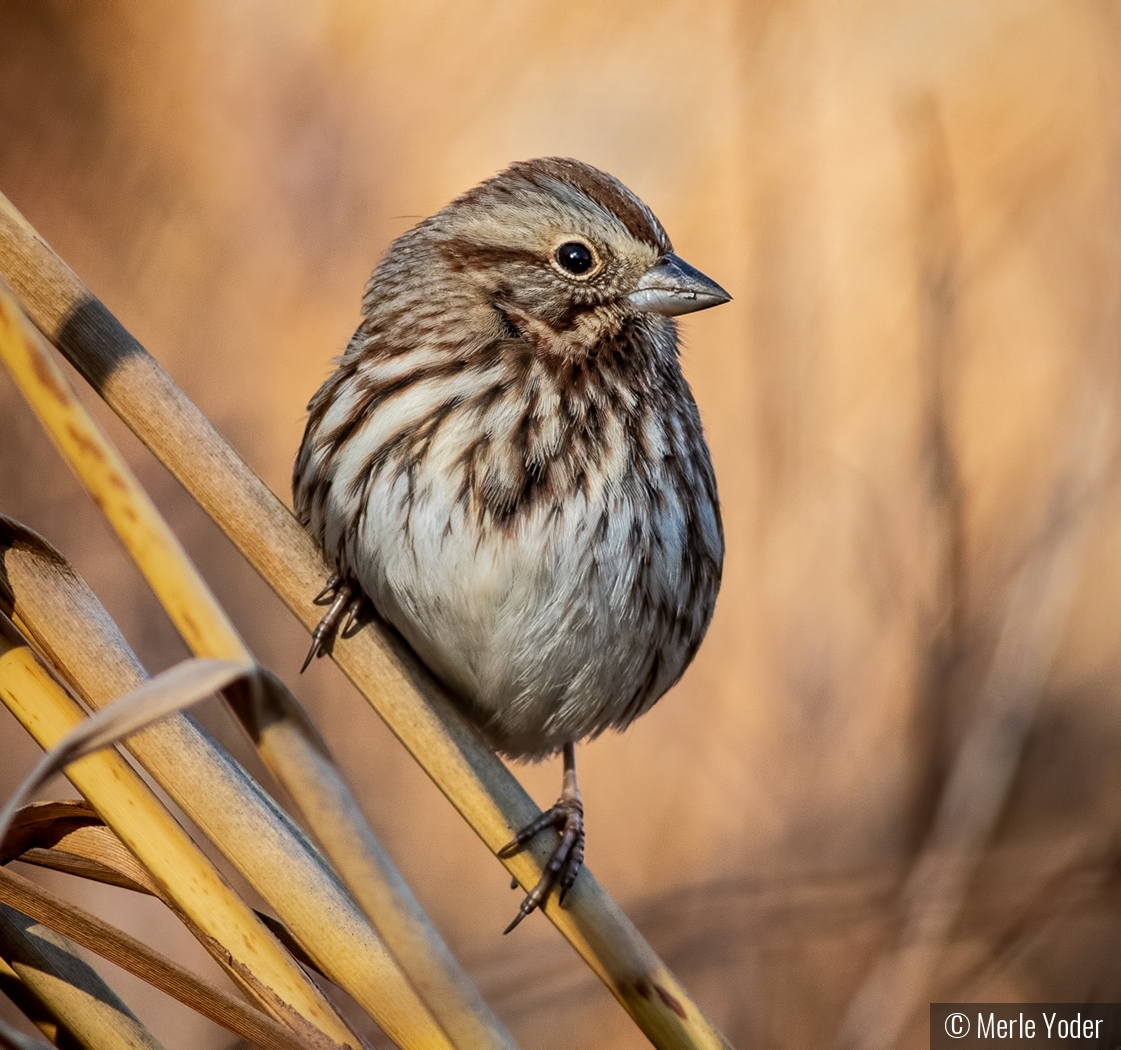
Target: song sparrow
[509, 464]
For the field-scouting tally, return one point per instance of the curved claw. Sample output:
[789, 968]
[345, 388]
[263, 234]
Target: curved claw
[527, 906]
[318, 646]
[572, 865]
[330, 589]
[351, 616]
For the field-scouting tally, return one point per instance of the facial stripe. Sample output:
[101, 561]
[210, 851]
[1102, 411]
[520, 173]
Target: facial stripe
[465, 254]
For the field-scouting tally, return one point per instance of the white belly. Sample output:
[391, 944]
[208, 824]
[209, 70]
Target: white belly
[552, 630]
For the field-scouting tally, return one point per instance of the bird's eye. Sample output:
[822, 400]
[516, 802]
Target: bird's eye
[575, 257]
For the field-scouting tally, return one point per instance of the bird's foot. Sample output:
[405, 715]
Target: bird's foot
[567, 817]
[345, 600]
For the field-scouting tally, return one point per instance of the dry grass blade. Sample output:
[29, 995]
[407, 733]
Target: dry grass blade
[70, 837]
[229, 928]
[50, 968]
[399, 688]
[138, 959]
[54, 607]
[450, 1000]
[179, 687]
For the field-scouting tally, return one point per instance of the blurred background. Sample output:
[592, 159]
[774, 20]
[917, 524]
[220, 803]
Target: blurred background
[892, 774]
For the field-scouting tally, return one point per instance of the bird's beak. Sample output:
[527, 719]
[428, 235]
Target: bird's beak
[671, 286]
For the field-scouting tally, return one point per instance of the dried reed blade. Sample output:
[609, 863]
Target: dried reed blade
[179, 687]
[400, 689]
[233, 934]
[69, 836]
[50, 968]
[83, 847]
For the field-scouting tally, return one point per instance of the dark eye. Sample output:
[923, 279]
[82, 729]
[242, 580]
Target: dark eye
[575, 257]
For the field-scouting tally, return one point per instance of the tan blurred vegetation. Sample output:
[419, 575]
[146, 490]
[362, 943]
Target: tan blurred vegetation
[913, 405]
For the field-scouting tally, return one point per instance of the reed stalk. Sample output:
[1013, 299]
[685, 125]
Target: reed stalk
[400, 689]
[74, 924]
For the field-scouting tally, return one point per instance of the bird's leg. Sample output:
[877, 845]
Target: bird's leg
[344, 598]
[567, 817]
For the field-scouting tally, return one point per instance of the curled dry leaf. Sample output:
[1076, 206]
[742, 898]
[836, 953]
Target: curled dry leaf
[181, 686]
[69, 836]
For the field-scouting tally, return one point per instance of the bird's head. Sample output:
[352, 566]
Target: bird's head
[566, 254]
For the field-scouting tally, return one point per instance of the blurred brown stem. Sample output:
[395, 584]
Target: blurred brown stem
[1036, 609]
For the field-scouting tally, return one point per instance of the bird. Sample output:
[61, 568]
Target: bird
[508, 464]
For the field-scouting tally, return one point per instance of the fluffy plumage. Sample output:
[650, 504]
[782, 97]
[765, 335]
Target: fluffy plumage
[510, 464]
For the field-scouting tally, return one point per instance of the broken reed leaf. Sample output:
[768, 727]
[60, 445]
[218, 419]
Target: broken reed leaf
[46, 824]
[118, 947]
[70, 837]
[76, 864]
[50, 968]
[181, 686]
[398, 687]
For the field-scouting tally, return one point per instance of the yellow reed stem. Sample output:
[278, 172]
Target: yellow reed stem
[56, 610]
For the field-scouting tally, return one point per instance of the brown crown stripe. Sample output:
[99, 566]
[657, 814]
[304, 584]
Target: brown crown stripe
[601, 189]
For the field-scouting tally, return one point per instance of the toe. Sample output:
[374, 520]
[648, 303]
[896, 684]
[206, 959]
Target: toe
[547, 819]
